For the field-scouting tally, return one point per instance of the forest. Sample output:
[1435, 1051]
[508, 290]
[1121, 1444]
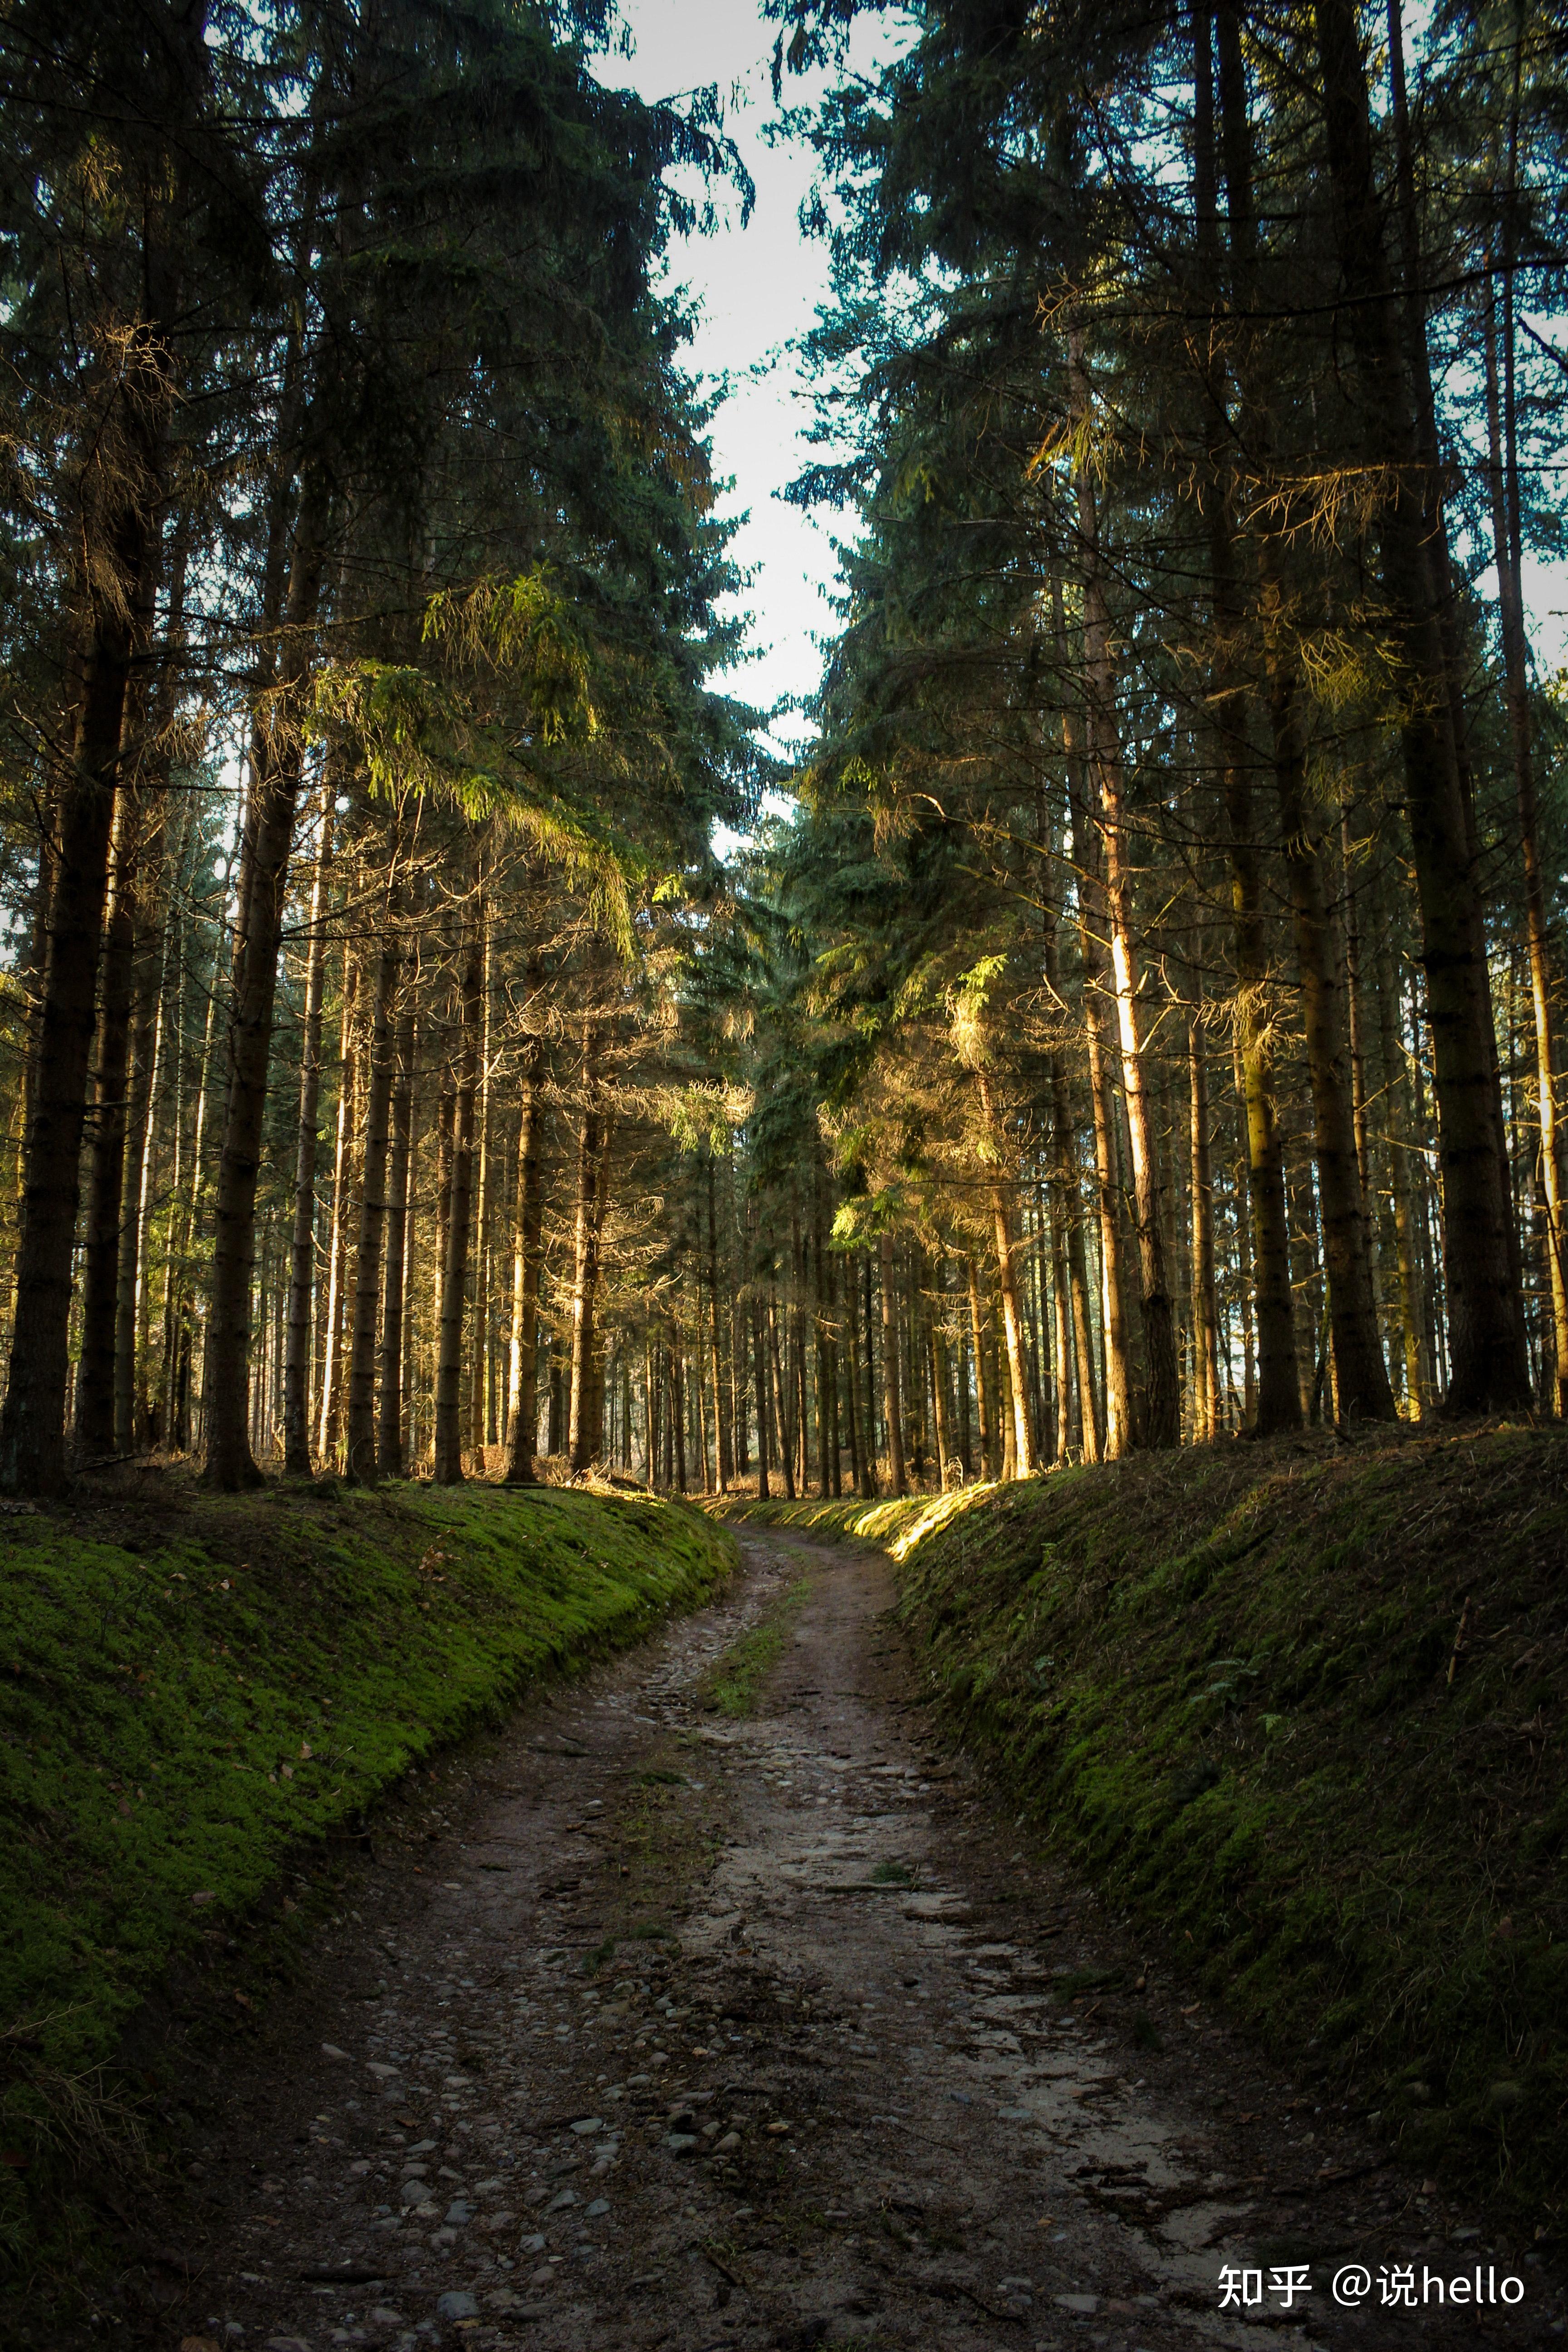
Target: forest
[591, 1256]
[1137, 1023]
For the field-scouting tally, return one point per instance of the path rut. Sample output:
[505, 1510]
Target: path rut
[894, 2081]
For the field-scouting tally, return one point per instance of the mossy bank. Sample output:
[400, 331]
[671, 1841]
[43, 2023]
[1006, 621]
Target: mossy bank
[193, 1689]
[1301, 1708]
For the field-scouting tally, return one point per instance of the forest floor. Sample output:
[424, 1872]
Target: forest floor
[712, 2002]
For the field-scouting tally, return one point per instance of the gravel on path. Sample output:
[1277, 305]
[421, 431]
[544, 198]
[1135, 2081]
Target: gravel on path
[664, 2028]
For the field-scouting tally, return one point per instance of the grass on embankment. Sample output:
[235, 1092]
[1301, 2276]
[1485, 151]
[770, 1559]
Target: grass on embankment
[192, 1687]
[1220, 1684]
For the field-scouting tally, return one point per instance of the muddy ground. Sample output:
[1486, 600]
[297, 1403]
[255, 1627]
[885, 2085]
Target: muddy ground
[885, 2079]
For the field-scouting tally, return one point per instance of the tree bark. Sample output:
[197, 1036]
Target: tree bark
[449, 1465]
[585, 1275]
[726, 1463]
[361, 1461]
[277, 760]
[146, 1037]
[1206, 1407]
[94, 1431]
[302, 1250]
[1163, 1420]
[1117, 1424]
[389, 1447]
[1489, 1361]
[785, 1449]
[32, 1426]
[522, 1402]
[1359, 1373]
[329, 1400]
[1503, 483]
[891, 1409]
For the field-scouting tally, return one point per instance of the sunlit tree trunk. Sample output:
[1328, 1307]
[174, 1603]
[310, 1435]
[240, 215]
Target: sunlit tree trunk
[522, 1402]
[1206, 1407]
[389, 1449]
[983, 1398]
[361, 1461]
[448, 1465]
[277, 768]
[1359, 1373]
[1279, 1395]
[331, 1375]
[591, 1157]
[1104, 750]
[1507, 547]
[892, 1409]
[303, 1251]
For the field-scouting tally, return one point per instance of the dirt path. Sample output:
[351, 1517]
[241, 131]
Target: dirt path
[897, 2083]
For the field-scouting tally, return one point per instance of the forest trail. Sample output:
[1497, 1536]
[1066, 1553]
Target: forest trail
[851, 2106]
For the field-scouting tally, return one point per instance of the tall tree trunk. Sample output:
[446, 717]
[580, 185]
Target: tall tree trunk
[1118, 1435]
[891, 1409]
[448, 1467]
[585, 1273]
[361, 1461]
[1023, 1439]
[302, 1250]
[1503, 482]
[985, 1403]
[477, 1413]
[389, 1454]
[726, 1460]
[1490, 1367]
[1206, 1407]
[277, 757]
[330, 1385]
[760, 1382]
[1279, 1398]
[94, 1431]
[785, 1448]
[939, 1383]
[1359, 1373]
[32, 1426]
[1405, 1237]
[130, 1273]
[1163, 1420]
[527, 1257]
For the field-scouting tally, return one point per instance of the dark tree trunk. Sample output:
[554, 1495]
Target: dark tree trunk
[1278, 1399]
[362, 1448]
[522, 1402]
[592, 1145]
[302, 1252]
[130, 1272]
[448, 1470]
[32, 1426]
[891, 1407]
[1489, 1358]
[1359, 1372]
[276, 769]
[389, 1461]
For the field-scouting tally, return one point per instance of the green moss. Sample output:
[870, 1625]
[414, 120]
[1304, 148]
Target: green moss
[178, 1712]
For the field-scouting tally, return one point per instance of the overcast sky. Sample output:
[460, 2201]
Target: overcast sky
[758, 289]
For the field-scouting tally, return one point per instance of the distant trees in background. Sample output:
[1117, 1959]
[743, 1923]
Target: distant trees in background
[1147, 1023]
